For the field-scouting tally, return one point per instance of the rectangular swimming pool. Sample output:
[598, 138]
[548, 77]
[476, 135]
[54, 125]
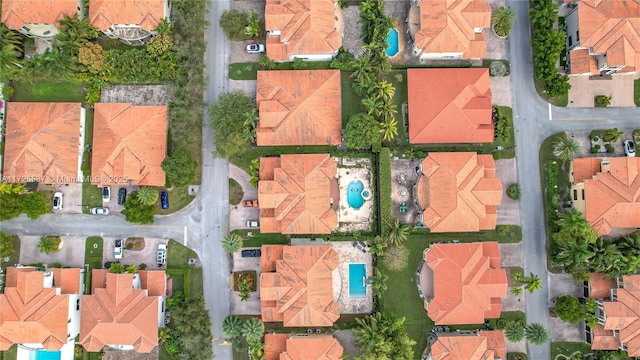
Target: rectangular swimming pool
[357, 279]
[44, 355]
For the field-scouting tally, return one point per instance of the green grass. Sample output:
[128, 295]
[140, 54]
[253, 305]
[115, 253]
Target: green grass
[93, 258]
[178, 258]
[636, 91]
[259, 239]
[557, 348]
[177, 282]
[243, 160]
[311, 65]
[15, 257]
[91, 197]
[178, 199]
[235, 192]
[561, 100]
[178, 255]
[197, 282]
[243, 71]
[46, 91]
[504, 234]
[10, 354]
[351, 102]
[398, 78]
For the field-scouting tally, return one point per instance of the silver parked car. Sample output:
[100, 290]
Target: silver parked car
[58, 198]
[100, 211]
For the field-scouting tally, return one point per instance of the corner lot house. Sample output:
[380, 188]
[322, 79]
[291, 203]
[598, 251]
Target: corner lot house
[129, 144]
[485, 345]
[40, 311]
[603, 37]
[300, 107]
[605, 190]
[295, 194]
[296, 285]
[131, 21]
[37, 18]
[302, 346]
[458, 192]
[43, 142]
[443, 29]
[309, 30]
[468, 283]
[449, 106]
[124, 311]
[618, 318]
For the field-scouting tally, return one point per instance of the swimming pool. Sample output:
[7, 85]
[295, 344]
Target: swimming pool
[357, 278]
[392, 40]
[354, 194]
[44, 355]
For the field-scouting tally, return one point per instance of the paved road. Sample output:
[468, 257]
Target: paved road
[532, 117]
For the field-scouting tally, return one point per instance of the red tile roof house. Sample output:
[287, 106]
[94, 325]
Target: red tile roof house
[124, 311]
[302, 347]
[449, 106]
[304, 29]
[443, 29]
[130, 21]
[468, 283]
[40, 310]
[605, 190]
[618, 317]
[467, 345]
[129, 144]
[603, 37]
[43, 142]
[37, 18]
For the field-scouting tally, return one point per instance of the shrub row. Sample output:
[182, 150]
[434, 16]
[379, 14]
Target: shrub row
[384, 180]
[552, 192]
[186, 274]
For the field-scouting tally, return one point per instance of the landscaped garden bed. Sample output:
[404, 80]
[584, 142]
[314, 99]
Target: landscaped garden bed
[134, 243]
[248, 276]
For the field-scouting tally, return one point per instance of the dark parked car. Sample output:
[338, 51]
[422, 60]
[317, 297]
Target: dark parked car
[251, 253]
[109, 263]
[164, 200]
[122, 196]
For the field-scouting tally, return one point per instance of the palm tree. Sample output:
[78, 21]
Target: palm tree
[379, 282]
[377, 246]
[232, 326]
[373, 106]
[116, 268]
[245, 289]
[398, 233]
[384, 91]
[49, 244]
[536, 334]
[164, 335]
[147, 195]
[565, 148]
[9, 38]
[531, 282]
[573, 254]
[516, 290]
[612, 135]
[131, 269]
[368, 334]
[232, 243]
[503, 19]
[389, 129]
[252, 330]
[514, 332]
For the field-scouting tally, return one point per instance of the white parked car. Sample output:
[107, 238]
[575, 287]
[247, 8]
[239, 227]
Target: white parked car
[629, 148]
[58, 198]
[106, 193]
[255, 48]
[99, 211]
[161, 256]
[117, 251]
[253, 223]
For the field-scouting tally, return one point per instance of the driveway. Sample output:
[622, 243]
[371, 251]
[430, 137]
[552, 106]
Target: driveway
[251, 306]
[71, 254]
[500, 90]
[582, 138]
[145, 256]
[238, 213]
[509, 209]
[72, 203]
[583, 90]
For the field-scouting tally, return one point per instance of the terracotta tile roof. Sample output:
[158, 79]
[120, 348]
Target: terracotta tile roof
[449, 106]
[31, 313]
[611, 28]
[119, 315]
[42, 142]
[68, 280]
[468, 283]
[486, 345]
[623, 316]
[449, 27]
[602, 339]
[11, 274]
[300, 107]
[458, 192]
[582, 62]
[599, 287]
[146, 13]
[585, 168]
[302, 347]
[300, 291]
[129, 142]
[306, 28]
[612, 199]
[155, 281]
[294, 194]
[17, 13]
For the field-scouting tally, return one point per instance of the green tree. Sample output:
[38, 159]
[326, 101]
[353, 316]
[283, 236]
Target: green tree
[10, 51]
[147, 195]
[383, 336]
[192, 326]
[531, 282]
[8, 188]
[362, 132]
[49, 244]
[245, 289]
[573, 254]
[384, 91]
[536, 334]
[516, 290]
[565, 148]
[132, 269]
[234, 23]
[180, 168]
[379, 282]
[10, 206]
[514, 332]
[299, 64]
[231, 243]
[252, 330]
[569, 309]
[35, 205]
[73, 34]
[228, 116]
[377, 246]
[160, 45]
[398, 233]
[503, 19]
[266, 63]
[164, 335]
[389, 128]
[254, 27]
[6, 244]
[92, 56]
[254, 172]
[137, 212]
[232, 327]
[612, 135]
[116, 268]
[573, 225]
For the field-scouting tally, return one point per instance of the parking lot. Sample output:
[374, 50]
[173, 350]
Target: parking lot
[147, 255]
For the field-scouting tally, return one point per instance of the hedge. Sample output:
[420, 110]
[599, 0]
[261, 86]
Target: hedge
[552, 191]
[384, 182]
[186, 273]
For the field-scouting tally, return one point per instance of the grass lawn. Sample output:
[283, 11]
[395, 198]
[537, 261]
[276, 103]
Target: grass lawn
[178, 255]
[255, 152]
[235, 192]
[636, 91]
[91, 197]
[197, 282]
[243, 71]
[399, 80]
[46, 91]
[504, 234]
[561, 347]
[93, 258]
[15, 257]
[177, 282]
[178, 199]
[258, 239]
[562, 100]
[351, 102]
[10, 354]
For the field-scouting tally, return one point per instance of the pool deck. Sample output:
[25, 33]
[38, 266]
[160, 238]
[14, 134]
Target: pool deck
[398, 58]
[351, 255]
[350, 219]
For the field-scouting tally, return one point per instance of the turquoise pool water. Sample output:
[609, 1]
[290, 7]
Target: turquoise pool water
[357, 278]
[44, 355]
[354, 194]
[392, 40]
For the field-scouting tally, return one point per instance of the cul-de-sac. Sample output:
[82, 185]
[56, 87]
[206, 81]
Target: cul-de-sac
[319, 179]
